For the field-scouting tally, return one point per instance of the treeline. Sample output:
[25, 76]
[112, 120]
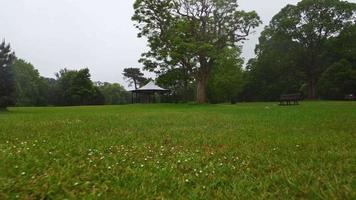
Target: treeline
[308, 48]
[25, 87]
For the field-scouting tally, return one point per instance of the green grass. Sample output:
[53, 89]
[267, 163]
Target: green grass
[244, 151]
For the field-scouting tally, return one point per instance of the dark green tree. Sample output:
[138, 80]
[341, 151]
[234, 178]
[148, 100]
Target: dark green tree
[114, 93]
[310, 24]
[180, 84]
[75, 87]
[343, 46]
[226, 78]
[275, 70]
[135, 77]
[31, 88]
[338, 81]
[7, 82]
[191, 34]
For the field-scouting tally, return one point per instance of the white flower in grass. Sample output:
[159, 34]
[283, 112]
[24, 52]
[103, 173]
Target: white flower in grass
[23, 173]
[76, 183]
[187, 180]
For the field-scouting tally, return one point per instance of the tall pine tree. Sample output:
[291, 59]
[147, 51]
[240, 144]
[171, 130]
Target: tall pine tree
[7, 84]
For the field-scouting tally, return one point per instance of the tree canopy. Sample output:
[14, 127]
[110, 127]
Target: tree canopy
[299, 44]
[135, 77]
[31, 88]
[310, 24]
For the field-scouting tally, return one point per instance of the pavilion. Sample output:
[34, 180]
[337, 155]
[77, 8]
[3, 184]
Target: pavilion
[147, 93]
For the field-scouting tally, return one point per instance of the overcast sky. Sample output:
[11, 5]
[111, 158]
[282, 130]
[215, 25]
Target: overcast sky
[98, 34]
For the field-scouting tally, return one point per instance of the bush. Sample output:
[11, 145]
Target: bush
[337, 81]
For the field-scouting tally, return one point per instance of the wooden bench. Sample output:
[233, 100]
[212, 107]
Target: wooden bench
[290, 99]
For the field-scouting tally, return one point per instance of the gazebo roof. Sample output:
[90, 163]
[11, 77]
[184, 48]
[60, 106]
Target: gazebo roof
[151, 86]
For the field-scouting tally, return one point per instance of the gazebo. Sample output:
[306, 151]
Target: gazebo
[146, 94]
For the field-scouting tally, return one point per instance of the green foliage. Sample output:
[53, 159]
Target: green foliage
[75, 87]
[114, 94]
[343, 46]
[190, 35]
[298, 46]
[226, 80]
[135, 77]
[7, 83]
[31, 88]
[247, 151]
[181, 85]
[338, 81]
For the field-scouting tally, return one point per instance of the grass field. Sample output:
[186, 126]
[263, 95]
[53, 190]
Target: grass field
[243, 151]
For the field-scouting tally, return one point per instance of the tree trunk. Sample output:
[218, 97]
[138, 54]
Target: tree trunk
[312, 90]
[202, 89]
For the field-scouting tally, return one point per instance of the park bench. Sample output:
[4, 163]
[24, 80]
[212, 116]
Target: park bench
[290, 99]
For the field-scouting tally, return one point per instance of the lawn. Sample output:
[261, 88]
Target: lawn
[243, 151]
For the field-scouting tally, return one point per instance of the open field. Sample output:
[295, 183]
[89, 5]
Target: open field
[244, 151]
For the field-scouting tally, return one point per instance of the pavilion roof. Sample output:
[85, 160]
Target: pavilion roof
[151, 86]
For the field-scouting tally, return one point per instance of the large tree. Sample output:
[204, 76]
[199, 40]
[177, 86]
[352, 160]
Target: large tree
[191, 34]
[310, 24]
[7, 83]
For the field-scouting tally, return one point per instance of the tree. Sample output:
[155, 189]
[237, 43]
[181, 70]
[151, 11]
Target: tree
[179, 83]
[7, 83]
[114, 93]
[135, 77]
[343, 46]
[338, 80]
[226, 80]
[75, 87]
[191, 34]
[310, 24]
[31, 88]
[275, 70]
